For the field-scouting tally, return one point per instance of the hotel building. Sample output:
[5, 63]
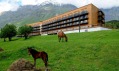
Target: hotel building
[85, 17]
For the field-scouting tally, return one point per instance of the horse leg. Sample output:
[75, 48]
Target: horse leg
[59, 39]
[46, 64]
[34, 62]
[65, 39]
[62, 39]
[45, 61]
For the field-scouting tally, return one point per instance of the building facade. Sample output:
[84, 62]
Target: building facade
[82, 18]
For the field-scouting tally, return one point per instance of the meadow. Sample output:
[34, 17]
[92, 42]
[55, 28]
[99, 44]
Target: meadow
[89, 51]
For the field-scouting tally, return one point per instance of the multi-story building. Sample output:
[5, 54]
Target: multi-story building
[36, 28]
[82, 18]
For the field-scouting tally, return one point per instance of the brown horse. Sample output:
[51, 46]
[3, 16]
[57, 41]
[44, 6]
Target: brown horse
[35, 54]
[61, 35]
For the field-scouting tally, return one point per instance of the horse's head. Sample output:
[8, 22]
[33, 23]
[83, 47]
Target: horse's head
[29, 50]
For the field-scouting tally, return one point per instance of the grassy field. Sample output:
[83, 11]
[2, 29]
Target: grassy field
[90, 51]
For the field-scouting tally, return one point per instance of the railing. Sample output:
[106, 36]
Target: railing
[100, 12]
[84, 13]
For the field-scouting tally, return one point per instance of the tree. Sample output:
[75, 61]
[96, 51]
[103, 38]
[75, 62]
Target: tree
[8, 31]
[3, 35]
[25, 31]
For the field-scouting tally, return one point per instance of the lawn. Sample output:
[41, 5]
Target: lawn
[89, 51]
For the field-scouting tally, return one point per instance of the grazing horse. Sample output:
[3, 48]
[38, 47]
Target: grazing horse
[61, 35]
[35, 54]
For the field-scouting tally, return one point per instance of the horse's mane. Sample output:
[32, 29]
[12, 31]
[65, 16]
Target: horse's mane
[33, 51]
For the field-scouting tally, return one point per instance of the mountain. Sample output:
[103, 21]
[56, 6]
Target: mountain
[111, 14]
[34, 13]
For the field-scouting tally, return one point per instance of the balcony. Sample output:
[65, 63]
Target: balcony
[45, 24]
[36, 26]
[84, 17]
[76, 19]
[64, 18]
[100, 18]
[44, 27]
[43, 30]
[35, 31]
[84, 13]
[84, 22]
[71, 16]
[77, 14]
[59, 20]
[76, 23]
[100, 12]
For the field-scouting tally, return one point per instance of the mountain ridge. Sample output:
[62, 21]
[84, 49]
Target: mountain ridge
[34, 13]
[111, 13]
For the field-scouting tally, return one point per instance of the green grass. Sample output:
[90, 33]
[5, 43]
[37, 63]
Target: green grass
[90, 51]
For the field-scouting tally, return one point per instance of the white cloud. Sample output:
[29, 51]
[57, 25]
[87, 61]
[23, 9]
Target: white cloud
[32, 2]
[6, 5]
[98, 3]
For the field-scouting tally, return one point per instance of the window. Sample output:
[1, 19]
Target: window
[81, 21]
[77, 22]
[85, 21]
[77, 18]
[64, 21]
[81, 17]
[70, 23]
[70, 20]
[67, 20]
[86, 16]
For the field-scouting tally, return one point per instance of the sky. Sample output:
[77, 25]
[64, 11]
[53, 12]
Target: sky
[13, 5]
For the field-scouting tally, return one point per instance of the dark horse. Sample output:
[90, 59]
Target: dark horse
[35, 54]
[61, 35]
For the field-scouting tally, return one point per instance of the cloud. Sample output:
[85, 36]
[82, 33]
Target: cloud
[6, 5]
[32, 2]
[98, 3]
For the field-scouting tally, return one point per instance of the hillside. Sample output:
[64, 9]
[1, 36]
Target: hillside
[33, 13]
[89, 51]
[113, 24]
